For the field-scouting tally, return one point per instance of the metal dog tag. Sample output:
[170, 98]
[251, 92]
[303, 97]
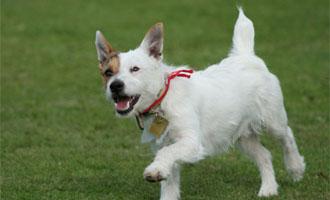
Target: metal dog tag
[158, 126]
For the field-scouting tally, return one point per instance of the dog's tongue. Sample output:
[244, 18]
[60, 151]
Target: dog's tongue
[122, 105]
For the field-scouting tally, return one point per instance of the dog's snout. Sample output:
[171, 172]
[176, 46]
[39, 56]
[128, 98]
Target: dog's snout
[117, 86]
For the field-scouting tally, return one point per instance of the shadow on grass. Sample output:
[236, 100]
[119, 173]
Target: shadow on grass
[109, 187]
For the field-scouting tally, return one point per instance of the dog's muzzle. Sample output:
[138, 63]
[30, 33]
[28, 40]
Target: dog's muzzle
[124, 104]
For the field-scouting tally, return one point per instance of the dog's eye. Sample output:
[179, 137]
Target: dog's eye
[108, 73]
[134, 69]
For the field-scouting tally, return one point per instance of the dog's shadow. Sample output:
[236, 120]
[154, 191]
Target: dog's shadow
[214, 178]
[108, 187]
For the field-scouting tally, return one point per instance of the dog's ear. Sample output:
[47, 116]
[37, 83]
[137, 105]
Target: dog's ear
[103, 48]
[153, 41]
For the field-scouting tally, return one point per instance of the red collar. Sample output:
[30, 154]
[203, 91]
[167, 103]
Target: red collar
[186, 73]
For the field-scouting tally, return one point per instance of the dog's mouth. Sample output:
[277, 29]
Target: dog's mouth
[125, 104]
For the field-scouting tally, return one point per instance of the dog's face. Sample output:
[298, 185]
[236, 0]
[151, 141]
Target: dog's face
[132, 79]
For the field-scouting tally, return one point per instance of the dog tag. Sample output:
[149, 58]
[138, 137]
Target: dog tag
[158, 126]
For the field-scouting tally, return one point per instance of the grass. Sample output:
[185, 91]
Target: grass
[60, 139]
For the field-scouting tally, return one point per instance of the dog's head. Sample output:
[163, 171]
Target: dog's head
[132, 79]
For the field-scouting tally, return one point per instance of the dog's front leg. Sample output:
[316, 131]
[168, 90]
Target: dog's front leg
[187, 149]
[170, 188]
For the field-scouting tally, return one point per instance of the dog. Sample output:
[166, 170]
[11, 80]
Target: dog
[188, 115]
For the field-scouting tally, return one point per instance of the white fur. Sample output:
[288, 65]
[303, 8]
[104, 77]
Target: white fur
[228, 103]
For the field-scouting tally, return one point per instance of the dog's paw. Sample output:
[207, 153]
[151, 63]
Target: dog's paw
[268, 190]
[155, 173]
[296, 168]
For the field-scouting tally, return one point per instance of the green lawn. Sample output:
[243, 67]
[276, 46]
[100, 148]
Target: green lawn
[60, 138]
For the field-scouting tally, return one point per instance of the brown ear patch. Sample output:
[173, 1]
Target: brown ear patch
[114, 62]
[112, 65]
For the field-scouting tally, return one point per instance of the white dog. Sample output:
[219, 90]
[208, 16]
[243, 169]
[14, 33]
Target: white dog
[190, 115]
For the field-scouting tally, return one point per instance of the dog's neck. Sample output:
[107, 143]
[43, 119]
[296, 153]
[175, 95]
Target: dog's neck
[162, 85]
[167, 68]
[165, 71]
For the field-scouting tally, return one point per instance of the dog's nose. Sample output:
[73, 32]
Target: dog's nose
[117, 86]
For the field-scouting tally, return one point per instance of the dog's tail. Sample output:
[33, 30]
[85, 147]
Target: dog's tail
[243, 39]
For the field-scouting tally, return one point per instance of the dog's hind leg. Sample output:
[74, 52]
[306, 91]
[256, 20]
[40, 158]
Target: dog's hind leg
[252, 147]
[293, 161]
[170, 188]
[275, 121]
